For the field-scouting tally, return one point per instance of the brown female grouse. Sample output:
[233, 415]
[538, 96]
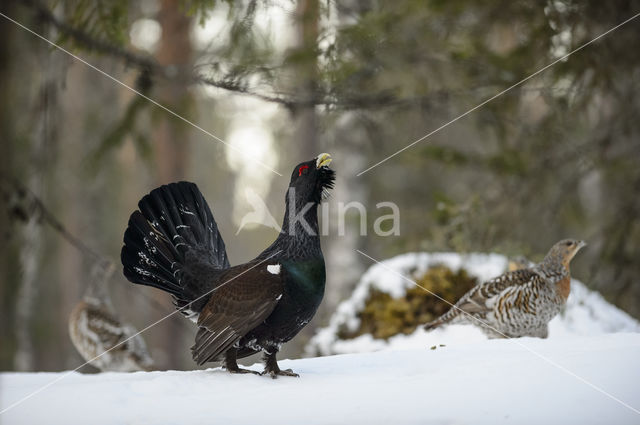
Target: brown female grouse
[172, 243]
[104, 341]
[521, 302]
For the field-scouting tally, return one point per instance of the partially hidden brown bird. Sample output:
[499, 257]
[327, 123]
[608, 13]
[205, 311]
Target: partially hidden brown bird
[520, 302]
[100, 337]
[96, 332]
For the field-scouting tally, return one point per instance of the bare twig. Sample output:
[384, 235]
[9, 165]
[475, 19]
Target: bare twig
[35, 206]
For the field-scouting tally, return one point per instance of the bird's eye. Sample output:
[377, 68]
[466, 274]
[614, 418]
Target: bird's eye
[302, 169]
[569, 243]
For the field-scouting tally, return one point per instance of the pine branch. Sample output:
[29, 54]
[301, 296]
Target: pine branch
[151, 68]
[90, 43]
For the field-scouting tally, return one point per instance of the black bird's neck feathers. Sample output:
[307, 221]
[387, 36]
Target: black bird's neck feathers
[299, 237]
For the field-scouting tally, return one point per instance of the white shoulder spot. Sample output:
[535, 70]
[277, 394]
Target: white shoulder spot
[273, 268]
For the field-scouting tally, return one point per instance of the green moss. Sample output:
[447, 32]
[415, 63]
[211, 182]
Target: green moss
[384, 316]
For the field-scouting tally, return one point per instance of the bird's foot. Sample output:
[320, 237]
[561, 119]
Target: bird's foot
[275, 373]
[243, 371]
[272, 369]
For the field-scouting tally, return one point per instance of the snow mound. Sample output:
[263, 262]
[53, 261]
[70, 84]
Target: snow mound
[586, 313]
[520, 381]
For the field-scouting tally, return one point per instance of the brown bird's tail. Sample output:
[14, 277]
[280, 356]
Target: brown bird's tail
[433, 324]
[446, 318]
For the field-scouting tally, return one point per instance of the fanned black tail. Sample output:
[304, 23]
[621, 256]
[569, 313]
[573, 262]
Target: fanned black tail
[172, 234]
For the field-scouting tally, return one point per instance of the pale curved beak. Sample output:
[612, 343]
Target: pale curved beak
[322, 160]
[581, 244]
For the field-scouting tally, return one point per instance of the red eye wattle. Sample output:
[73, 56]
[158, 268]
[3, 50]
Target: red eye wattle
[304, 167]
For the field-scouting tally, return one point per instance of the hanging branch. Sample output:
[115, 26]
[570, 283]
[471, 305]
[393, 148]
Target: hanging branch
[28, 205]
[36, 206]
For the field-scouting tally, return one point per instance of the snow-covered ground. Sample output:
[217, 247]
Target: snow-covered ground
[587, 313]
[483, 382]
[586, 372]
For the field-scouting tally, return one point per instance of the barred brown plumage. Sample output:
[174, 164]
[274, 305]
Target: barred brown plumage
[520, 302]
[104, 341]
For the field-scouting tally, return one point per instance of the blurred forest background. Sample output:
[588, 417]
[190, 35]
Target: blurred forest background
[281, 81]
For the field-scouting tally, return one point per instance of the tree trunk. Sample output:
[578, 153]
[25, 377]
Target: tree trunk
[305, 118]
[7, 156]
[30, 258]
[170, 137]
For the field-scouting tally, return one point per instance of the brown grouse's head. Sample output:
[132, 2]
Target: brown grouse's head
[564, 251]
[311, 180]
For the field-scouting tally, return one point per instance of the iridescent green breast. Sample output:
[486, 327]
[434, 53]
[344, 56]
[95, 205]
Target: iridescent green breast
[303, 291]
[305, 280]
